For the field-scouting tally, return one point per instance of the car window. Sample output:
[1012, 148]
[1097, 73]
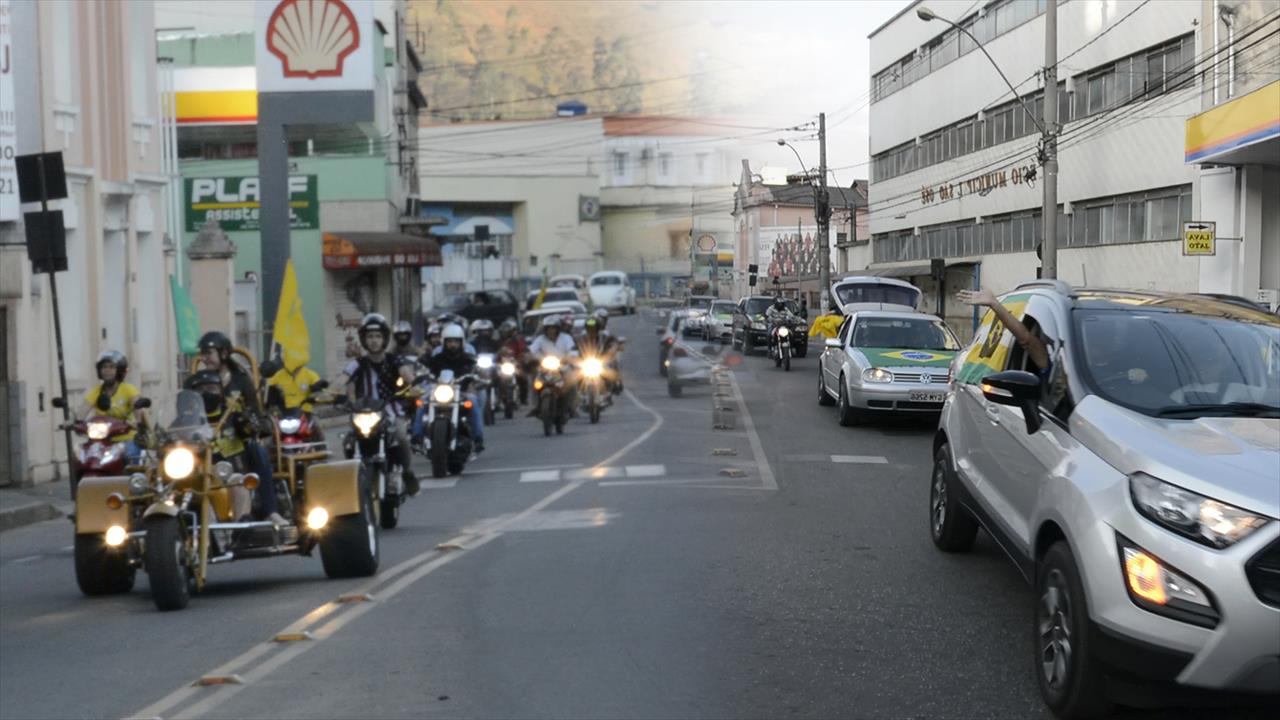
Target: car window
[699, 303]
[843, 334]
[877, 293]
[606, 280]
[501, 297]
[722, 308]
[1055, 393]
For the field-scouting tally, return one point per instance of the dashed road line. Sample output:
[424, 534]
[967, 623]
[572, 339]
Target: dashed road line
[860, 459]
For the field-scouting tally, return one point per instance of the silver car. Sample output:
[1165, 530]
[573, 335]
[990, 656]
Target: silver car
[719, 322]
[886, 361]
[1134, 481]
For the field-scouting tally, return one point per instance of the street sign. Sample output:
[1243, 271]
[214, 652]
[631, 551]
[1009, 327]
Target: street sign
[1199, 238]
[46, 241]
[37, 169]
[706, 243]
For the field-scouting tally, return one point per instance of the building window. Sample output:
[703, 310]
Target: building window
[664, 165]
[620, 164]
[701, 164]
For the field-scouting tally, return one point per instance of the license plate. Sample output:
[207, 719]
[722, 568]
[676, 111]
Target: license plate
[922, 396]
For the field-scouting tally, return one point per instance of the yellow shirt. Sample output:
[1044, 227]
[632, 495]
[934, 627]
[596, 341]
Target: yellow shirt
[121, 405]
[296, 387]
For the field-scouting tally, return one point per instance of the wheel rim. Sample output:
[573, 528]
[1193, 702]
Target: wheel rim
[1053, 621]
[939, 499]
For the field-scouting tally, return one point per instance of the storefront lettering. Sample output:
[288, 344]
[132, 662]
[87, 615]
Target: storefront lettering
[979, 185]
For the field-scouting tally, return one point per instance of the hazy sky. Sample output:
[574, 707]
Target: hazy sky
[781, 62]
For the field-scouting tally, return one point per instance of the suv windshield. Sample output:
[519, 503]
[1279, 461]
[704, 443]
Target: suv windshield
[1179, 364]
[699, 303]
[757, 306]
[918, 334]
[606, 280]
[877, 293]
[721, 307]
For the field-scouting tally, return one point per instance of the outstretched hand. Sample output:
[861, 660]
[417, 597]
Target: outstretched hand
[977, 297]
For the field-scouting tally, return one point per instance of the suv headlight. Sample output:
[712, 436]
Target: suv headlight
[877, 375]
[1190, 514]
[179, 463]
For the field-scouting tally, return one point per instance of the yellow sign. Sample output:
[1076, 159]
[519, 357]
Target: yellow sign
[1199, 238]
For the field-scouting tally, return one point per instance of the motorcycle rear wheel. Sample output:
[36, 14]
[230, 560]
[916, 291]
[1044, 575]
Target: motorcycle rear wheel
[440, 448]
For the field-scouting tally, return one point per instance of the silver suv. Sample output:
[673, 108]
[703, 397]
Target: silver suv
[1135, 481]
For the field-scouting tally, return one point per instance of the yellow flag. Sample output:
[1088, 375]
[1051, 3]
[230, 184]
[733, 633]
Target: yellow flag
[827, 325]
[291, 327]
[542, 293]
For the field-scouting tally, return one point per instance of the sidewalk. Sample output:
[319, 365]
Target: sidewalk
[24, 506]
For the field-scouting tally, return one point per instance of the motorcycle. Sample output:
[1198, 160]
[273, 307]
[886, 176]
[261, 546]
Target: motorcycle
[101, 454]
[298, 430]
[369, 440]
[780, 346]
[505, 385]
[485, 385]
[448, 426]
[549, 387]
[595, 394]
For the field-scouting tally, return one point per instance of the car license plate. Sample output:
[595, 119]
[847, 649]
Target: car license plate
[930, 397]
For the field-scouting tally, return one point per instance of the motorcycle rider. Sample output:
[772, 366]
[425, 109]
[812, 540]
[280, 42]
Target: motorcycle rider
[114, 398]
[375, 375]
[595, 340]
[433, 340]
[403, 336]
[229, 444]
[514, 345]
[454, 356]
[778, 315]
[289, 390]
[237, 388]
[553, 341]
[482, 338]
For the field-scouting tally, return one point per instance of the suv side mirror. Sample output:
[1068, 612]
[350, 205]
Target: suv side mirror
[832, 343]
[142, 403]
[1015, 388]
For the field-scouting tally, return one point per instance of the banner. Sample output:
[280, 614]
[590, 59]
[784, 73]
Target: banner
[992, 353]
[290, 329]
[234, 202]
[185, 318]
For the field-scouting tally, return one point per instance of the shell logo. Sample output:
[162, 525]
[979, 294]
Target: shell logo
[312, 38]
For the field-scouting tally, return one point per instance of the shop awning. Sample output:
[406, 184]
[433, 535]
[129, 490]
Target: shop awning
[355, 250]
[1243, 131]
[917, 269]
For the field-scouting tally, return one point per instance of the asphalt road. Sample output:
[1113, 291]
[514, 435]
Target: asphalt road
[611, 572]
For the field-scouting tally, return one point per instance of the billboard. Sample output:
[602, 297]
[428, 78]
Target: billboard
[234, 202]
[315, 45]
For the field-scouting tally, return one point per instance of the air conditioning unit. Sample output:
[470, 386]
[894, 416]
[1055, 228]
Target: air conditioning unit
[1071, 84]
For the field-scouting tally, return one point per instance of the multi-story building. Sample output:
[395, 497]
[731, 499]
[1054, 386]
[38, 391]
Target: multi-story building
[955, 173]
[80, 78]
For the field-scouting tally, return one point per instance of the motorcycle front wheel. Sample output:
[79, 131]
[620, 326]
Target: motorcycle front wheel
[440, 448]
[593, 407]
[786, 360]
[547, 409]
[167, 570]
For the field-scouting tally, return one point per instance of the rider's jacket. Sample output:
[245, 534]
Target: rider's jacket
[602, 344]
[461, 363]
[562, 347]
[121, 405]
[483, 345]
[376, 379]
[778, 317]
[288, 390]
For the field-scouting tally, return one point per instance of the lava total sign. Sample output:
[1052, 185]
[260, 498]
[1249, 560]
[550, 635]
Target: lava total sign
[1199, 238]
[234, 202]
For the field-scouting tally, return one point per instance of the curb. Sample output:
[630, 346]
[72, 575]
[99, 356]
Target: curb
[28, 514]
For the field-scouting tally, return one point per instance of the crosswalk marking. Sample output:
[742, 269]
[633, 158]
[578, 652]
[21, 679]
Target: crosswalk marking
[860, 459]
[438, 484]
[593, 473]
[643, 471]
[540, 476]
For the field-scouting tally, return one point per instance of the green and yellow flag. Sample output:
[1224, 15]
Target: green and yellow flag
[185, 318]
[290, 329]
[542, 293]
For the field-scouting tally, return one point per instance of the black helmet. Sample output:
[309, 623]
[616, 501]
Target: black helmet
[374, 321]
[778, 303]
[215, 340]
[115, 357]
[200, 382]
[270, 367]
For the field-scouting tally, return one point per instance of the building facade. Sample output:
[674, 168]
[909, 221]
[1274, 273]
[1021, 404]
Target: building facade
[83, 79]
[955, 173]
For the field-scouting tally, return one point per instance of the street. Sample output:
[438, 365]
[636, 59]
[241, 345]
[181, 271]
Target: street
[610, 572]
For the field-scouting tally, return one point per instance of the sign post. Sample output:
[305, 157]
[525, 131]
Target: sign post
[41, 178]
[1199, 238]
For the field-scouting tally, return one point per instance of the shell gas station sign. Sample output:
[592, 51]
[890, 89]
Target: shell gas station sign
[314, 45]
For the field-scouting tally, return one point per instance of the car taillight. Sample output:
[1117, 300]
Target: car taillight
[680, 352]
[668, 341]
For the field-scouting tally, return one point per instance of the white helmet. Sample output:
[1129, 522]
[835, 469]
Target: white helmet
[452, 331]
[481, 325]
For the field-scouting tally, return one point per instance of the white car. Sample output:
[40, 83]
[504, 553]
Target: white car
[575, 282]
[860, 292]
[554, 296]
[611, 289]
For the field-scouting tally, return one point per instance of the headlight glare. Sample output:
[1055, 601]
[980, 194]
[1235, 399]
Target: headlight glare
[1154, 586]
[116, 535]
[877, 375]
[484, 362]
[97, 430]
[179, 463]
[365, 422]
[290, 425]
[551, 362]
[1195, 516]
[508, 369]
[317, 518]
[443, 394]
[783, 332]
[592, 367]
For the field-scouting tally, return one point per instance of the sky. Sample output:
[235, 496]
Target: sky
[777, 64]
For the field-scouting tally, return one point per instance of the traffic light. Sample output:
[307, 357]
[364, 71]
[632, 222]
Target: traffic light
[751, 274]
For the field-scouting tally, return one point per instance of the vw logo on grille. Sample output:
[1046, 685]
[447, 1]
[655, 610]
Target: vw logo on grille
[926, 378]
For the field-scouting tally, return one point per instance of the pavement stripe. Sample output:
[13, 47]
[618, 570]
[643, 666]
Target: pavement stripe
[655, 482]
[27, 559]
[426, 563]
[806, 458]
[638, 471]
[494, 471]
[757, 449]
[438, 484]
[860, 459]
[594, 473]
[540, 476]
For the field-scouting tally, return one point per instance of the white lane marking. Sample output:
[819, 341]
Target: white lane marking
[639, 471]
[426, 562]
[654, 482]
[69, 548]
[805, 457]
[593, 473]
[860, 459]
[757, 449]
[438, 484]
[494, 471]
[27, 559]
[540, 476]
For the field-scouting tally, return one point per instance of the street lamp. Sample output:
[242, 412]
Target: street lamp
[821, 212]
[1048, 128]
[786, 144]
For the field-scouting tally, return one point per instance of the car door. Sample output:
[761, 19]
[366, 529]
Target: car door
[833, 359]
[1022, 461]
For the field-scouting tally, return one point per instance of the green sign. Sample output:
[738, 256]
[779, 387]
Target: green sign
[234, 202]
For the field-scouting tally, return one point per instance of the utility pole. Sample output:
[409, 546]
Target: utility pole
[1049, 144]
[822, 209]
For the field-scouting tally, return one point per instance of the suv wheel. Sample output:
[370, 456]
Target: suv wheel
[1070, 680]
[952, 528]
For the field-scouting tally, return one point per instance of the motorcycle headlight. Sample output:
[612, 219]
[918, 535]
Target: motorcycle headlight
[877, 375]
[137, 484]
[508, 369]
[592, 367]
[223, 470]
[1190, 514]
[783, 332]
[365, 422]
[484, 362]
[290, 425]
[443, 394]
[179, 463]
[550, 362]
[98, 430]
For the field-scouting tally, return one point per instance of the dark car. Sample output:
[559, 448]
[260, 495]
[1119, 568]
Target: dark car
[494, 305]
[750, 329]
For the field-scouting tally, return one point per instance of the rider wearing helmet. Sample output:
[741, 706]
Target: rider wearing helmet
[602, 318]
[114, 397]
[241, 396]
[454, 356]
[403, 335]
[513, 344]
[482, 337]
[778, 313]
[433, 339]
[553, 341]
[377, 374]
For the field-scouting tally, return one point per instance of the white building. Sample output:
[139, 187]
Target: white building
[954, 167]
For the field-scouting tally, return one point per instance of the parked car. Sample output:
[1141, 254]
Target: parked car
[495, 305]
[886, 361]
[555, 296]
[696, 308]
[750, 329]
[671, 330]
[718, 325]
[577, 282]
[1133, 482]
[858, 292]
[612, 290]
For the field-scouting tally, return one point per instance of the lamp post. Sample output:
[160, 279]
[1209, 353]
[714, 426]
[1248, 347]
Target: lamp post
[1048, 127]
[821, 211]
